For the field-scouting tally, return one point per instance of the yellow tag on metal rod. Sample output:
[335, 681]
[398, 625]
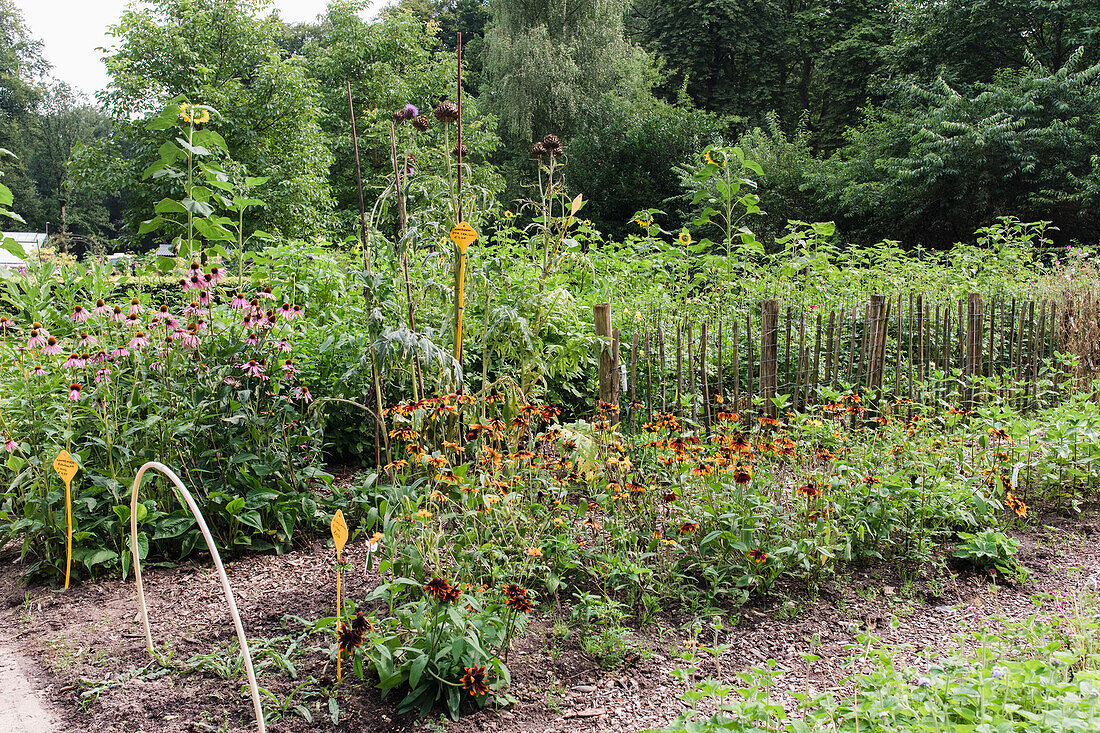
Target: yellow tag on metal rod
[463, 235]
[66, 467]
[339, 532]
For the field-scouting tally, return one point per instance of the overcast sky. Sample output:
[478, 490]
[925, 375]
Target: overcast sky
[72, 30]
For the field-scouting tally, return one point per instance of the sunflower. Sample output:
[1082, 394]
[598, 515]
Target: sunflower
[473, 681]
[684, 238]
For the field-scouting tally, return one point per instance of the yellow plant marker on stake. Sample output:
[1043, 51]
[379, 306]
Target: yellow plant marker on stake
[66, 467]
[463, 236]
[339, 538]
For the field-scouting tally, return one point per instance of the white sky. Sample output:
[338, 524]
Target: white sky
[72, 30]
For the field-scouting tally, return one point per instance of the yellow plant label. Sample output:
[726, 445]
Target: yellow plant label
[65, 466]
[463, 235]
[339, 532]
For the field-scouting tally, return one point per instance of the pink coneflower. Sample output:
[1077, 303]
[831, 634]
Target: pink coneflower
[268, 320]
[184, 284]
[191, 339]
[171, 338]
[254, 368]
[204, 297]
[52, 347]
[36, 339]
[161, 313]
[194, 283]
[192, 310]
[172, 324]
[117, 314]
[99, 357]
[303, 394]
[139, 340]
[132, 320]
[38, 371]
[79, 314]
[266, 293]
[284, 311]
[195, 268]
[74, 391]
[102, 373]
[252, 339]
[283, 345]
[36, 326]
[207, 281]
[239, 301]
[289, 368]
[135, 307]
[101, 308]
[73, 362]
[200, 324]
[296, 311]
[217, 274]
[232, 381]
[6, 322]
[247, 320]
[11, 445]
[87, 340]
[120, 352]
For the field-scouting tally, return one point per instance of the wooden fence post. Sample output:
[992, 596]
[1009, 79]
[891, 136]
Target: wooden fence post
[769, 353]
[602, 317]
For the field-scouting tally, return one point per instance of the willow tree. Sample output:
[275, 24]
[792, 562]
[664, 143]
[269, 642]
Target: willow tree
[550, 63]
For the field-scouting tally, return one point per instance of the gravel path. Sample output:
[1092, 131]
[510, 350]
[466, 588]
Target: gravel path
[21, 710]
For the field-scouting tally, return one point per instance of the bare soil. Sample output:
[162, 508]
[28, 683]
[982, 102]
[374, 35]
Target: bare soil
[83, 650]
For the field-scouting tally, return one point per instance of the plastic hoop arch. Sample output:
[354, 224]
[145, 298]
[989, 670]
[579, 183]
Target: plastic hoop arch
[191, 505]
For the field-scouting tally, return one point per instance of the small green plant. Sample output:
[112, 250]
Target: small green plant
[990, 550]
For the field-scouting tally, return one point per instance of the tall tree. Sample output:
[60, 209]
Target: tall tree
[21, 69]
[226, 54]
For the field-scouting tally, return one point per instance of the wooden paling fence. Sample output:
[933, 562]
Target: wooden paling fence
[884, 349]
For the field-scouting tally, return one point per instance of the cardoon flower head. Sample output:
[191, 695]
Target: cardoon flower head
[101, 308]
[79, 314]
[52, 347]
[87, 340]
[139, 340]
[36, 339]
[74, 391]
[135, 307]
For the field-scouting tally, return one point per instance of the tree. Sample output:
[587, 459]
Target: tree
[21, 68]
[219, 53]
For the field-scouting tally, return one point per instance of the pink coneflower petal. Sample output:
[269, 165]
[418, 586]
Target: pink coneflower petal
[303, 394]
[6, 322]
[10, 446]
[204, 298]
[117, 314]
[266, 293]
[239, 302]
[135, 307]
[192, 310]
[52, 347]
[132, 320]
[38, 371]
[162, 313]
[254, 368]
[36, 339]
[195, 268]
[217, 274]
[252, 339]
[79, 314]
[87, 340]
[289, 368]
[139, 340]
[296, 311]
[74, 391]
[283, 345]
[101, 308]
[102, 373]
[73, 362]
[172, 324]
[120, 352]
[191, 340]
[232, 381]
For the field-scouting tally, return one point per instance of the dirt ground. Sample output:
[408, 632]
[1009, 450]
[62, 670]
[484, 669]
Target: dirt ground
[82, 650]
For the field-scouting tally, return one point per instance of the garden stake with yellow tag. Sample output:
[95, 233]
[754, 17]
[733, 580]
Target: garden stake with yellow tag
[339, 538]
[67, 468]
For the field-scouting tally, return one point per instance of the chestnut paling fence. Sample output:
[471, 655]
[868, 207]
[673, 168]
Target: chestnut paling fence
[773, 357]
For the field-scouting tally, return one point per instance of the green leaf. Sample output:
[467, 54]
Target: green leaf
[416, 669]
[200, 208]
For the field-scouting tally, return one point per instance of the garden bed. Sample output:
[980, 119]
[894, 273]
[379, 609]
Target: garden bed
[83, 648]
